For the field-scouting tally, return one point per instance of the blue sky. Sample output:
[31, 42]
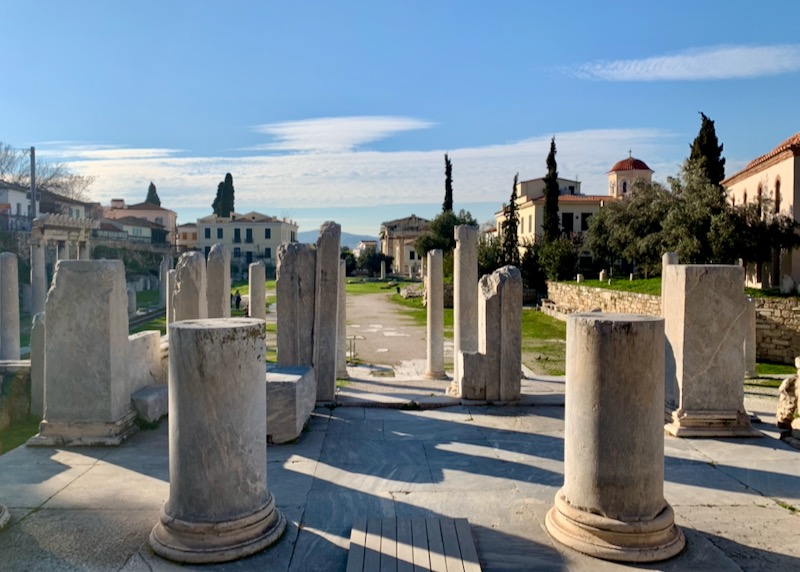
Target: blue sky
[343, 110]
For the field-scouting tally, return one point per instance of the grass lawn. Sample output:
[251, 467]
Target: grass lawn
[17, 433]
[413, 308]
[763, 368]
[147, 299]
[544, 346]
[640, 286]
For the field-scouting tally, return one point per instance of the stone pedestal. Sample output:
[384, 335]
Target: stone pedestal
[257, 276]
[704, 311]
[612, 503]
[750, 338]
[9, 307]
[435, 313]
[465, 293]
[327, 310]
[341, 325]
[38, 334]
[87, 398]
[189, 301]
[38, 276]
[218, 276]
[219, 506]
[296, 294]
[291, 396]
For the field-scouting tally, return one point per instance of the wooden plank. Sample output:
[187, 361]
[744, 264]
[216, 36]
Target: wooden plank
[469, 554]
[389, 545]
[435, 547]
[419, 536]
[358, 535]
[452, 552]
[405, 552]
[372, 546]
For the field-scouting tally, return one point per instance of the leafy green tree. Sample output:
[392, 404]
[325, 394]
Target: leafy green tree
[349, 261]
[490, 254]
[510, 228]
[369, 260]
[152, 195]
[441, 234]
[223, 202]
[551, 192]
[706, 150]
[558, 259]
[448, 185]
[533, 275]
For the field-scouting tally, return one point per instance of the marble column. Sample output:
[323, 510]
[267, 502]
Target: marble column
[612, 503]
[750, 338]
[9, 307]
[218, 274]
[38, 277]
[295, 287]
[86, 251]
[435, 312]
[5, 517]
[219, 507]
[38, 333]
[465, 293]
[163, 268]
[131, 301]
[170, 286]
[64, 251]
[341, 325]
[189, 296]
[257, 276]
[671, 389]
[383, 270]
[666, 259]
[326, 310]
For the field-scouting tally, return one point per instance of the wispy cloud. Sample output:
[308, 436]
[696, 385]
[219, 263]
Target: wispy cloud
[712, 63]
[334, 134]
[74, 151]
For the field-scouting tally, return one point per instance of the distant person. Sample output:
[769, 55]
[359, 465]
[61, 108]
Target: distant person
[238, 300]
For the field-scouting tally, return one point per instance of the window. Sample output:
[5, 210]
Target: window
[207, 233]
[160, 220]
[208, 248]
[522, 225]
[268, 253]
[624, 187]
[267, 233]
[19, 209]
[237, 252]
[248, 235]
[530, 223]
[566, 222]
[585, 221]
[758, 199]
[778, 196]
[237, 235]
[411, 255]
[249, 256]
[219, 233]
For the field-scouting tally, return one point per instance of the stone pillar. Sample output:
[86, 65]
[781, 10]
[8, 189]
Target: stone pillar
[704, 311]
[435, 303]
[131, 301]
[170, 292]
[9, 307]
[38, 277]
[5, 517]
[257, 277]
[341, 325]
[189, 296]
[38, 333]
[612, 503]
[326, 310]
[87, 397]
[295, 287]
[667, 259]
[219, 506]
[750, 338]
[603, 276]
[163, 268]
[383, 270]
[500, 332]
[218, 274]
[465, 293]
[65, 254]
[86, 251]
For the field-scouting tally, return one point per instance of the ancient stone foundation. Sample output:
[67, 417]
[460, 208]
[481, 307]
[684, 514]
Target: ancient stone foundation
[219, 506]
[612, 503]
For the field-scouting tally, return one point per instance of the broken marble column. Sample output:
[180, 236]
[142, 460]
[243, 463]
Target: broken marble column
[9, 307]
[326, 310]
[704, 311]
[218, 276]
[38, 333]
[170, 310]
[612, 503]
[667, 259]
[465, 293]
[383, 270]
[295, 289]
[86, 394]
[750, 338]
[435, 313]
[189, 300]
[131, 301]
[163, 268]
[38, 273]
[257, 276]
[341, 325]
[219, 507]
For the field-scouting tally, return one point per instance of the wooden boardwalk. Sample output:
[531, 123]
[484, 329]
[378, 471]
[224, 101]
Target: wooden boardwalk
[412, 545]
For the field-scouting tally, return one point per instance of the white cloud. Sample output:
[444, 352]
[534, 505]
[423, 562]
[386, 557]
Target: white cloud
[74, 151]
[713, 63]
[334, 134]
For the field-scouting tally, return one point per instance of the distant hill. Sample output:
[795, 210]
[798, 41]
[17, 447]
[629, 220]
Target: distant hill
[348, 240]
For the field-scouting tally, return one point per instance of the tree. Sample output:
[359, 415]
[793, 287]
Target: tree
[15, 167]
[551, 193]
[707, 151]
[152, 195]
[448, 185]
[350, 261]
[490, 254]
[223, 202]
[510, 228]
[369, 260]
[441, 234]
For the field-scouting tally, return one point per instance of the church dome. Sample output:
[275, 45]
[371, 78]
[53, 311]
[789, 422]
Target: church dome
[630, 164]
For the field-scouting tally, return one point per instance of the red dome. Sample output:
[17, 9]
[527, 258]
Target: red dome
[630, 164]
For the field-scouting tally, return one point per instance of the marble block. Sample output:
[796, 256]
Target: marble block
[144, 360]
[704, 311]
[435, 316]
[500, 332]
[9, 307]
[291, 395]
[38, 333]
[218, 276]
[256, 302]
[151, 403]
[296, 294]
[326, 310]
[465, 294]
[189, 288]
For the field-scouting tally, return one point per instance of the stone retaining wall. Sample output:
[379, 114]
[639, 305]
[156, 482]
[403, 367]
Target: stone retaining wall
[15, 391]
[777, 319]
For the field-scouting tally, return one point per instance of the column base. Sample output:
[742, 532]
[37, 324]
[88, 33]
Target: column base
[84, 434]
[602, 537]
[710, 424]
[435, 375]
[208, 542]
[5, 517]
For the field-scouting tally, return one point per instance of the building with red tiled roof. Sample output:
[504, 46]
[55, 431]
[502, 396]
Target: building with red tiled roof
[773, 181]
[625, 173]
[147, 211]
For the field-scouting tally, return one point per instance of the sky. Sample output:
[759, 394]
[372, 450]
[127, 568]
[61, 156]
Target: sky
[343, 111]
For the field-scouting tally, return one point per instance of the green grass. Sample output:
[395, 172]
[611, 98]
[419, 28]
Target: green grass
[543, 343]
[537, 325]
[356, 287]
[763, 368]
[244, 287]
[764, 382]
[147, 299]
[413, 308]
[159, 324]
[17, 433]
[641, 286]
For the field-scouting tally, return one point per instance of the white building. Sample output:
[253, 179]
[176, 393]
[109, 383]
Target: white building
[249, 237]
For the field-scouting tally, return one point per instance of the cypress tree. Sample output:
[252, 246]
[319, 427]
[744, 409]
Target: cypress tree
[448, 185]
[510, 229]
[152, 195]
[223, 202]
[551, 193]
[707, 151]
